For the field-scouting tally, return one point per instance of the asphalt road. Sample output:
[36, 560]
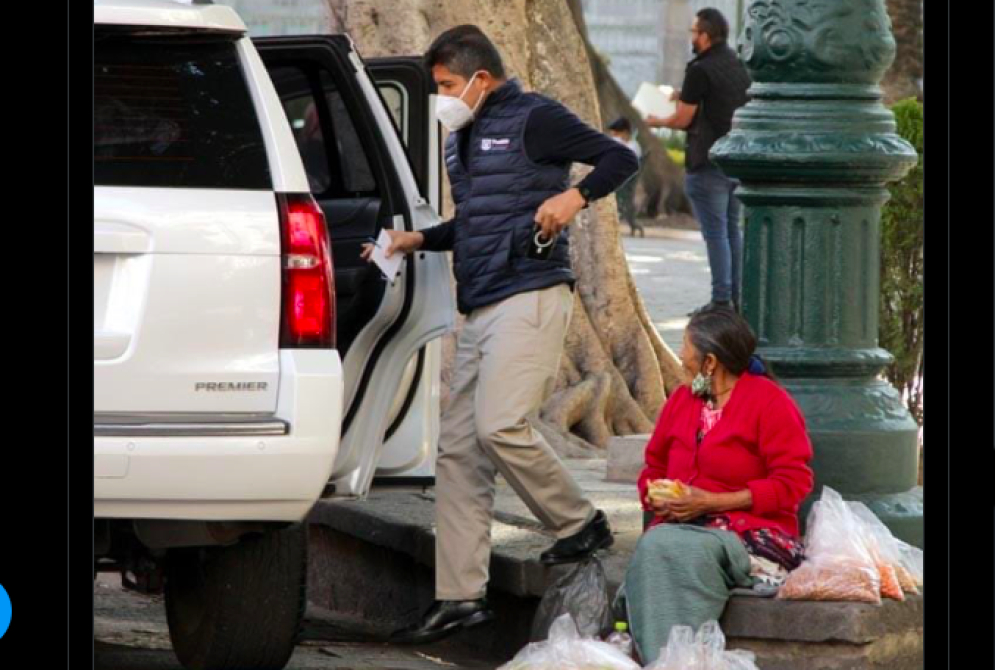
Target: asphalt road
[130, 633]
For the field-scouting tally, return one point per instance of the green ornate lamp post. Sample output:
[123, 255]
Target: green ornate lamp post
[814, 149]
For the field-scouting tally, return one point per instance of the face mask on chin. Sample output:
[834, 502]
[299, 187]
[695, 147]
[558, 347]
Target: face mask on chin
[452, 112]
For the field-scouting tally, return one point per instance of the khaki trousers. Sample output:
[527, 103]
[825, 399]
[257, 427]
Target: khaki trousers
[507, 359]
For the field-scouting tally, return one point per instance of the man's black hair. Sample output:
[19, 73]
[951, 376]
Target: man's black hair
[712, 23]
[621, 125]
[464, 50]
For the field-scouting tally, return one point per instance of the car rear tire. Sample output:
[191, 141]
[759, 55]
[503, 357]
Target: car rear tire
[238, 607]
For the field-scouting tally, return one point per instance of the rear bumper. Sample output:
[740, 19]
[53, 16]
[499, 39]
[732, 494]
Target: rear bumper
[271, 469]
[230, 426]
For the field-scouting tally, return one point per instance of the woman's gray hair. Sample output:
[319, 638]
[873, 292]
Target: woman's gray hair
[726, 335]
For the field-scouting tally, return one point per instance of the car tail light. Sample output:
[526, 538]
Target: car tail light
[308, 312]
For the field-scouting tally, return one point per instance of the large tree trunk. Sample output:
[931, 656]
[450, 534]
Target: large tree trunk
[902, 78]
[616, 369]
[661, 180]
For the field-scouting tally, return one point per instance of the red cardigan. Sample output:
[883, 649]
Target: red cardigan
[760, 443]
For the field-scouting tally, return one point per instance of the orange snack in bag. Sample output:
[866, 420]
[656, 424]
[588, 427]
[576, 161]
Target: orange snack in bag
[906, 580]
[846, 581]
[890, 588]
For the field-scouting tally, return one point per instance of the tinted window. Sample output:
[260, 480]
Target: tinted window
[174, 111]
[357, 176]
[295, 89]
[395, 98]
[333, 154]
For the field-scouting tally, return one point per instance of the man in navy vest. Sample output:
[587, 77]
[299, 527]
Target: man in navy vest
[508, 156]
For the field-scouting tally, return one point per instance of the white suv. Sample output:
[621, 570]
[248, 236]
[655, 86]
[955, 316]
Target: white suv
[247, 361]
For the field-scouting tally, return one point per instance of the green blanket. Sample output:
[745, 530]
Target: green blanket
[680, 574]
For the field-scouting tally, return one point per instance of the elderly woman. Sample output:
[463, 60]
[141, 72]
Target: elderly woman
[737, 443]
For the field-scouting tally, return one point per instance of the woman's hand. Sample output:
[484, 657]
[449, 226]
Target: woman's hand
[659, 507]
[693, 504]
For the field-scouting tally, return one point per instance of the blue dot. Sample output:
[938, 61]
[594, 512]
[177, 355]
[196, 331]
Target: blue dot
[4, 611]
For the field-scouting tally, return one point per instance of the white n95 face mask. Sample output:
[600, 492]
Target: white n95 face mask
[452, 112]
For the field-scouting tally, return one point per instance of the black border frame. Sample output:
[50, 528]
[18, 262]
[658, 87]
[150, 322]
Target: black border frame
[958, 119]
[79, 401]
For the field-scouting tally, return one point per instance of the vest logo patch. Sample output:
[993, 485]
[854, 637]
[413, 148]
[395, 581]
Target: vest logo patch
[490, 144]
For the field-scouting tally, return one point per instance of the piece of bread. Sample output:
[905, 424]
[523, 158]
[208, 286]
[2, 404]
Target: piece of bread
[666, 489]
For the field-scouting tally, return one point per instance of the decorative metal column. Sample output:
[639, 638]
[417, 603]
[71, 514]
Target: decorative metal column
[814, 149]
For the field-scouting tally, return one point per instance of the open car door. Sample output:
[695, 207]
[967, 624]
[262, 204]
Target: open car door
[412, 439]
[363, 179]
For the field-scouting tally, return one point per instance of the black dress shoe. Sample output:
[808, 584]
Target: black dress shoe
[596, 535]
[444, 618]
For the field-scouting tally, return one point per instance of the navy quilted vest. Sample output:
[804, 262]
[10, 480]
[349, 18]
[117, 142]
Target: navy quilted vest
[497, 192]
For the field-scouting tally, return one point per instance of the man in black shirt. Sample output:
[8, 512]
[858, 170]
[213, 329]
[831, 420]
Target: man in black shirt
[715, 85]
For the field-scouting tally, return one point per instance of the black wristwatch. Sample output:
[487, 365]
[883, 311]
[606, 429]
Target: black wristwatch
[585, 193]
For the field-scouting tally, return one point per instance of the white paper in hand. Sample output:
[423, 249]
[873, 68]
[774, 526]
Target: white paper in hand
[652, 99]
[389, 266]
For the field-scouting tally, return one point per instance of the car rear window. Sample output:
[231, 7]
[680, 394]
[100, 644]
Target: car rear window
[174, 111]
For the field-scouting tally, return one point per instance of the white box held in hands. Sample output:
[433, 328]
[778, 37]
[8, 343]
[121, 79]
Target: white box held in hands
[655, 100]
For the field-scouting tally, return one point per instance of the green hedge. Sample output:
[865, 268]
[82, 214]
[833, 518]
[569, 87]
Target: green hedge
[902, 239]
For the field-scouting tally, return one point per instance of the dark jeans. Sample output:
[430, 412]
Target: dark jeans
[626, 197]
[717, 211]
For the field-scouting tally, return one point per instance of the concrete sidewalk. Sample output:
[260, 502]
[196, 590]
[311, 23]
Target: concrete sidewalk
[389, 539]
[671, 273]
[662, 233]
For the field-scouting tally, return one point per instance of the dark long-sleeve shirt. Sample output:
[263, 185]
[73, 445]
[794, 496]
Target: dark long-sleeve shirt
[555, 135]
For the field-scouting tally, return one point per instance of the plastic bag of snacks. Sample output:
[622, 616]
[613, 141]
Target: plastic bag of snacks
[680, 651]
[838, 563]
[911, 561]
[854, 581]
[704, 650]
[890, 586]
[567, 650]
[895, 577]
